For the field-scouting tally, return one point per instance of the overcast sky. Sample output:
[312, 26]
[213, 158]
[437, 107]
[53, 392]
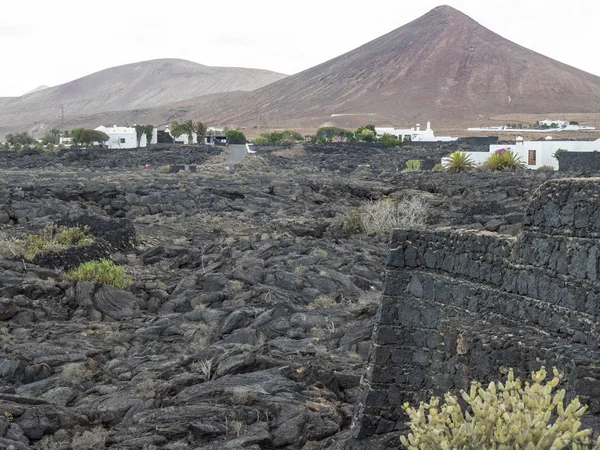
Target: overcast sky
[52, 42]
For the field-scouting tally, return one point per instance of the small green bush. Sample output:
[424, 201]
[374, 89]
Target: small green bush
[235, 137]
[352, 222]
[504, 160]
[101, 270]
[389, 140]
[54, 239]
[437, 168]
[559, 152]
[459, 161]
[501, 417]
[260, 140]
[412, 165]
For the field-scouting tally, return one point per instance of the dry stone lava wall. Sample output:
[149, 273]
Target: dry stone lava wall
[459, 306]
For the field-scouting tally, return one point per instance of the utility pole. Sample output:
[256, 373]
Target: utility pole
[262, 124]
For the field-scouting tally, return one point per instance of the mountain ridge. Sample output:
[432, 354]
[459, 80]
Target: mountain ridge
[443, 66]
[140, 85]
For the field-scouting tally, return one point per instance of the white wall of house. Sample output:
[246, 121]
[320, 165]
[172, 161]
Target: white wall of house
[415, 134]
[125, 137]
[536, 154]
[183, 138]
[557, 123]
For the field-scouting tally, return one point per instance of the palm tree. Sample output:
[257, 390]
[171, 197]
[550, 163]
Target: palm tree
[139, 132]
[200, 129]
[148, 131]
[459, 161]
[189, 128]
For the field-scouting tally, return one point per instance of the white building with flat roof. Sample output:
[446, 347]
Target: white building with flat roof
[536, 154]
[553, 123]
[414, 134]
[125, 137]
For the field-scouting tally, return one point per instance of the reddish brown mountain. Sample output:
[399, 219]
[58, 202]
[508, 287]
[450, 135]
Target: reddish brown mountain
[443, 66]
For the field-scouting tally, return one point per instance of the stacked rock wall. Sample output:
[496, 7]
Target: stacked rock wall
[579, 162]
[460, 306]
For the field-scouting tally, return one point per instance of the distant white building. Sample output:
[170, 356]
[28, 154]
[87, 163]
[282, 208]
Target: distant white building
[536, 154]
[414, 134]
[213, 136]
[125, 137]
[553, 123]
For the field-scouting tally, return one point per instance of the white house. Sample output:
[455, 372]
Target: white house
[553, 123]
[213, 136]
[536, 154]
[125, 137]
[559, 125]
[415, 134]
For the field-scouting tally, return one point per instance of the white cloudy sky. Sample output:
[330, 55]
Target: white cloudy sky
[52, 42]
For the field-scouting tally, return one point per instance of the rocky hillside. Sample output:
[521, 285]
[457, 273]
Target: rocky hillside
[140, 85]
[443, 66]
[249, 318]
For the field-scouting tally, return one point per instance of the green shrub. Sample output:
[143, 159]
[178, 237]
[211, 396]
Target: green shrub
[459, 161]
[365, 133]
[287, 140]
[101, 270]
[437, 168]
[494, 162]
[352, 222]
[513, 162]
[502, 417]
[558, 152]
[292, 135]
[504, 160]
[235, 137]
[260, 140]
[54, 239]
[412, 165]
[389, 140]
[330, 134]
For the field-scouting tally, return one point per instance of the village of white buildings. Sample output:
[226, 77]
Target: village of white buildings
[126, 137]
[533, 153]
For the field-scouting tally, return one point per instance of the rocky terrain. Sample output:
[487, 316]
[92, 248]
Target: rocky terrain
[249, 319]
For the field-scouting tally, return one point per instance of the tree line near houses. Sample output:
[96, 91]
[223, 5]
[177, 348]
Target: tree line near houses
[365, 133]
[197, 131]
[458, 161]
